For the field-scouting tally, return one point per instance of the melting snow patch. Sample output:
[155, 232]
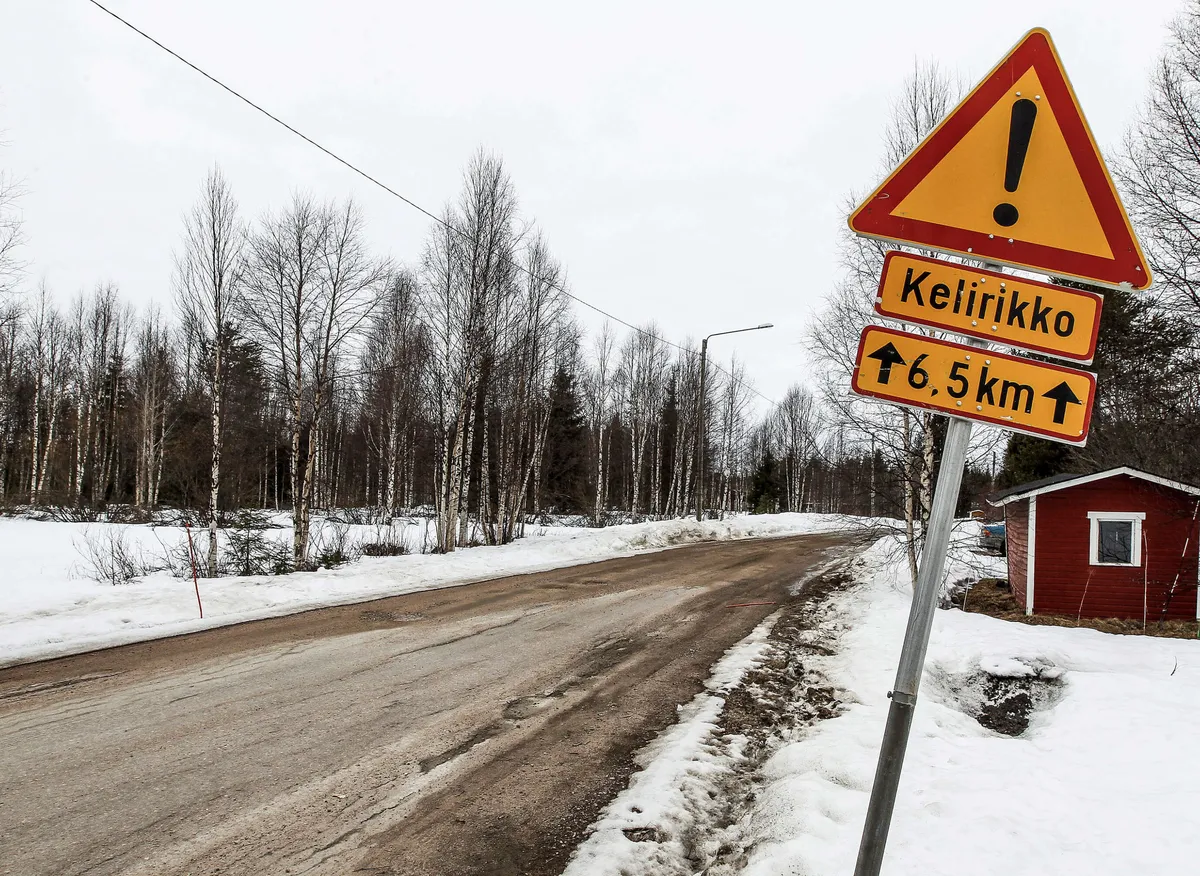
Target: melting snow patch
[651, 826]
[1003, 694]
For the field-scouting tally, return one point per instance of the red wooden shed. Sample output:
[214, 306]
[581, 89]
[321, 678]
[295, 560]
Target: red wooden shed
[1119, 543]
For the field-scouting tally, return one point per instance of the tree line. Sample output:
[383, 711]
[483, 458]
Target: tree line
[293, 368]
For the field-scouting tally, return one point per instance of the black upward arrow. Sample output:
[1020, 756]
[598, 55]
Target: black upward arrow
[888, 356]
[1063, 395]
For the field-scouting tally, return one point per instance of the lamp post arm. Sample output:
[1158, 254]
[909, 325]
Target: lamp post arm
[752, 328]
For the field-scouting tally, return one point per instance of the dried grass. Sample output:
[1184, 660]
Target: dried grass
[992, 597]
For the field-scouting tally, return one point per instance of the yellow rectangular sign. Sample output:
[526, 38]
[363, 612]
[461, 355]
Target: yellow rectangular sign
[1037, 398]
[992, 306]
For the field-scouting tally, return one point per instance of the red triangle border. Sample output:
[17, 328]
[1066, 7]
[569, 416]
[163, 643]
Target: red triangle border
[1035, 50]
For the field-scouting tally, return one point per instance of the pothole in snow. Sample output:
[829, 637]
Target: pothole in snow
[643, 834]
[1002, 695]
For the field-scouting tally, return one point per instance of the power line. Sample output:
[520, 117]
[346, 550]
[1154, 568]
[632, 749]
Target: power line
[376, 182]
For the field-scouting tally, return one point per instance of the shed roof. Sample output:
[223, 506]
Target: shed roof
[1063, 481]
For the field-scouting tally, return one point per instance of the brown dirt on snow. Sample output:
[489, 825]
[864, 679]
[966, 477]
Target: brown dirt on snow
[780, 694]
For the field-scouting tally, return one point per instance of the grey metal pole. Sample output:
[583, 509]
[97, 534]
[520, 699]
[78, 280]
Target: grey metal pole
[700, 417]
[912, 656]
[700, 434]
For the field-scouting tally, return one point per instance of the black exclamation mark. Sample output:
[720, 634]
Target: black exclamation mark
[1020, 129]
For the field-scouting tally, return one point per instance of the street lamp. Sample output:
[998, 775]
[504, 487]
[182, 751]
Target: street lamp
[700, 430]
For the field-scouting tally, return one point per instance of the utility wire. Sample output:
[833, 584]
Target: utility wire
[374, 181]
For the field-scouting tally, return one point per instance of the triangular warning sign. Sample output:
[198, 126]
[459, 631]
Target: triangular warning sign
[1013, 175]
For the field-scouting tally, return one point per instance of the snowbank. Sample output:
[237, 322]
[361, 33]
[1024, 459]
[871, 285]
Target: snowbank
[48, 607]
[1105, 780]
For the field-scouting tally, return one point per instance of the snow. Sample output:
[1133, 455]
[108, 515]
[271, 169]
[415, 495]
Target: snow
[49, 607]
[677, 772]
[1106, 780]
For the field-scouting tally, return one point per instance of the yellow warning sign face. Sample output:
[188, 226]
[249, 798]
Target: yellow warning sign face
[990, 306]
[1037, 398]
[1014, 176]
[967, 188]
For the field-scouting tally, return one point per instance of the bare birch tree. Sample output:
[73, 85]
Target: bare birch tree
[599, 396]
[731, 447]
[641, 386]
[536, 337]
[685, 377]
[394, 360]
[468, 270]
[98, 327]
[10, 382]
[47, 345]
[12, 268]
[1160, 169]
[208, 289]
[795, 425]
[153, 385]
[311, 286]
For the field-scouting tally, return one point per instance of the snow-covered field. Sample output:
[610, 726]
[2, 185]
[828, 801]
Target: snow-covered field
[1105, 780]
[49, 606]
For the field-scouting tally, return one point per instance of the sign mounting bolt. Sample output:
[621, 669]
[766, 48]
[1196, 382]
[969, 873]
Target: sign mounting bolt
[974, 322]
[979, 407]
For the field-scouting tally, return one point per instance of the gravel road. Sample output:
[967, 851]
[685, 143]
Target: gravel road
[470, 730]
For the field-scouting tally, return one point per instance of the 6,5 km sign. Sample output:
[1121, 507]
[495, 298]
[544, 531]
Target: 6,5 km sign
[1037, 398]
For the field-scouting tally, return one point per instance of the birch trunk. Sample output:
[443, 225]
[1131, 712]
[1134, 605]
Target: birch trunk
[35, 438]
[217, 386]
[464, 484]
[600, 475]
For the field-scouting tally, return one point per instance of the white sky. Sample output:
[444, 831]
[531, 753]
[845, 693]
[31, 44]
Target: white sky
[688, 161]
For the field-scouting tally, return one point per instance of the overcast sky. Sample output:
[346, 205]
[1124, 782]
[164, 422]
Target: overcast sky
[688, 161]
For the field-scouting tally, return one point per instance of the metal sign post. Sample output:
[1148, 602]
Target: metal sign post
[912, 656]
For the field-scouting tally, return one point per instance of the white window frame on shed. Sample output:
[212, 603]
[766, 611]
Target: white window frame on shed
[1133, 517]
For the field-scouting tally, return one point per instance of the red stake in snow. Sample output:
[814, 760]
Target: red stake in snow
[195, 577]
